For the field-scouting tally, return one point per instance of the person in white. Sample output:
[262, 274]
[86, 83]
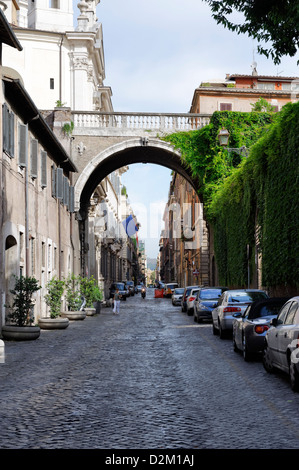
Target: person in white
[116, 302]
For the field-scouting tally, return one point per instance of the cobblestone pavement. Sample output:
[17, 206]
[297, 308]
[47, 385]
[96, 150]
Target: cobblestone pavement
[149, 378]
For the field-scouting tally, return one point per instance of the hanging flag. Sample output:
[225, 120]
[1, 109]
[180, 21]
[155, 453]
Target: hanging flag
[130, 227]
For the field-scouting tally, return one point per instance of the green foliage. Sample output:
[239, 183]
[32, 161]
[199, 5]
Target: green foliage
[262, 105]
[267, 21]
[250, 201]
[55, 289]
[22, 305]
[68, 128]
[261, 199]
[73, 294]
[90, 290]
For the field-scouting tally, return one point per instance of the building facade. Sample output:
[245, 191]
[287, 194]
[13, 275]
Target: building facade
[240, 92]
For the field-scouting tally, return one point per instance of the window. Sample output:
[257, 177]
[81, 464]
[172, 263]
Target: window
[33, 162]
[283, 312]
[54, 4]
[43, 169]
[8, 126]
[291, 314]
[23, 150]
[59, 183]
[32, 253]
[226, 106]
[51, 83]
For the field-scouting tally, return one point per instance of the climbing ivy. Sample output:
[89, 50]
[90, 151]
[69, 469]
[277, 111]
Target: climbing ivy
[250, 201]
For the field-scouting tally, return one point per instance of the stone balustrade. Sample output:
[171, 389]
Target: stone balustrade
[124, 121]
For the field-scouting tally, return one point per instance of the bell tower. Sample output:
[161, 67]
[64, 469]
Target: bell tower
[51, 15]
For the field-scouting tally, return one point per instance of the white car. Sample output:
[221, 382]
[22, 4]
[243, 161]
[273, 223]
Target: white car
[230, 303]
[177, 296]
[281, 342]
[190, 301]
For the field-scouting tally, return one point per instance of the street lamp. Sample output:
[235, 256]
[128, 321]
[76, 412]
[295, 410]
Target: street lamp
[223, 137]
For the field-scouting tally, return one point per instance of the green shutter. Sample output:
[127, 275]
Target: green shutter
[33, 162]
[23, 149]
[43, 161]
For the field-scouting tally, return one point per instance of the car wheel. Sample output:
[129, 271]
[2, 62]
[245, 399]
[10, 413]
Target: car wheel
[221, 332]
[266, 360]
[246, 354]
[235, 344]
[294, 376]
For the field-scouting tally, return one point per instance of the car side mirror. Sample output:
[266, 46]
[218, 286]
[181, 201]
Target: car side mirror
[237, 315]
[274, 322]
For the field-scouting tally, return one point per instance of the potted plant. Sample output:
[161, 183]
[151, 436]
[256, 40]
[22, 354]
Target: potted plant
[91, 293]
[55, 289]
[21, 316]
[73, 299]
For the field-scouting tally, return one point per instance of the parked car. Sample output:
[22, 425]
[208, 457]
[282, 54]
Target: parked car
[169, 288]
[177, 296]
[206, 300]
[186, 294]
[233, 301]
[249, 328]
[190, 301]
[281, 342]
[122, 291]
[130, 286]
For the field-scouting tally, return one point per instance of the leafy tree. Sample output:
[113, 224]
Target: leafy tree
[262, 105]
[265, 20]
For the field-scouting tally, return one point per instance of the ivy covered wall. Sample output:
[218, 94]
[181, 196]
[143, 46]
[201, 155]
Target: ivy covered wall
[250, 201]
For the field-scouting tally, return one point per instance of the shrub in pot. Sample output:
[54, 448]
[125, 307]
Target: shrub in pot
[91, 293]
[21, 315]
[53, 298]
[73, 299]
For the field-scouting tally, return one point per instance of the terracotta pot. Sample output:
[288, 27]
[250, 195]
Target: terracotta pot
[79, 315]
[53, 323]
[20, 333]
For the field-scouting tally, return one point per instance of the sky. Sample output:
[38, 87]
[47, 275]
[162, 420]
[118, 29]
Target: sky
[156, 53]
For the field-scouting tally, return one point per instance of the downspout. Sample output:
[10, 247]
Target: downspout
[60, 69]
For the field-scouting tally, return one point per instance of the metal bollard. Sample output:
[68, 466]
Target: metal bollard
[2, 353]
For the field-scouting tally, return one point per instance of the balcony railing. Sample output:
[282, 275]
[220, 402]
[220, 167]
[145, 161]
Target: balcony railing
[139, 121]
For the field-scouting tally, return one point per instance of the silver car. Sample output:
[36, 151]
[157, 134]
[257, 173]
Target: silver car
[190, 301]
[249, 328]
[230, 303]
[177, 296]
[281, 342]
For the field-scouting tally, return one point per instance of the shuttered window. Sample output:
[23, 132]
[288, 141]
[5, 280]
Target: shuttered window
[72, 199]
[43, 163]
[33, 159]
[53, 182]
[8, 126]
[225, 106]
[23, 148]
[59, 183]
[66, 189]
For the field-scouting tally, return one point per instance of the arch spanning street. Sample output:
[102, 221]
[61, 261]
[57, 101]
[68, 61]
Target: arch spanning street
[104, 142]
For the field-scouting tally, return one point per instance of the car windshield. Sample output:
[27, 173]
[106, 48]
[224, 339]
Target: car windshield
[171, 286]
[246, 296]
[179, 291]
[130, 283]
[210, 294]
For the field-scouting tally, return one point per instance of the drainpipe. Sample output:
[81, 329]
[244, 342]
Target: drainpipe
[26, 222]
[60, 69]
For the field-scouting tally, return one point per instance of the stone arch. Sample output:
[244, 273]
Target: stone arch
[137, 150]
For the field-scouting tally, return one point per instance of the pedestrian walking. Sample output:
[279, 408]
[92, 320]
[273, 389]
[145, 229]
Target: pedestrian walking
[116, 302]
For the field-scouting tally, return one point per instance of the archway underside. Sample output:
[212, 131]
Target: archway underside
[140, 154]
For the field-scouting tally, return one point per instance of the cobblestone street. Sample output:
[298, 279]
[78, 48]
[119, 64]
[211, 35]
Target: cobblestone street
[149, 378]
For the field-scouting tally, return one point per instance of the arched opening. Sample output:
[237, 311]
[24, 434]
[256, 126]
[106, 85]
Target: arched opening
[88, 193]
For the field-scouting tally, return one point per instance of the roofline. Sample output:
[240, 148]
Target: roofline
[20, 100]
[9, 36]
